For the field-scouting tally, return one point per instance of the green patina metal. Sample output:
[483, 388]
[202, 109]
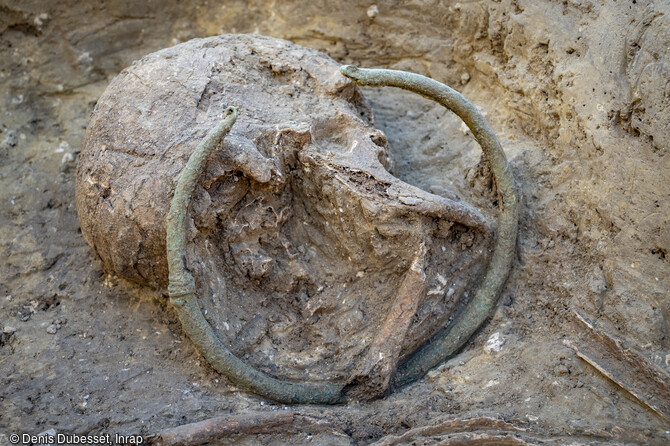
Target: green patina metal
[182, 285]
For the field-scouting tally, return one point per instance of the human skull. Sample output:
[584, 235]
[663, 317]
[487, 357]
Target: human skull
[300, 240]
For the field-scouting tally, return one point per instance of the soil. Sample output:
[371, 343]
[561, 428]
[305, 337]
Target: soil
[577, 92]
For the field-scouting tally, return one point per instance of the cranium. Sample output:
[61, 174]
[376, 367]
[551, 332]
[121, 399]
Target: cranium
[299, 238]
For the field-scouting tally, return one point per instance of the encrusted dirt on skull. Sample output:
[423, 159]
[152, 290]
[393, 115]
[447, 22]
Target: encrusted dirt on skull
[299, 237]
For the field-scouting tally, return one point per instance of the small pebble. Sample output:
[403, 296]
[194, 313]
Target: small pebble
[465, 78]
[40, 19]
[64, 146]
[11, 140]
[373, 11]
[9, 330]
[562, 369]
[494, 343]
[52, 329]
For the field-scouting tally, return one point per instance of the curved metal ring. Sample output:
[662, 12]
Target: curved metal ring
[182, 285]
